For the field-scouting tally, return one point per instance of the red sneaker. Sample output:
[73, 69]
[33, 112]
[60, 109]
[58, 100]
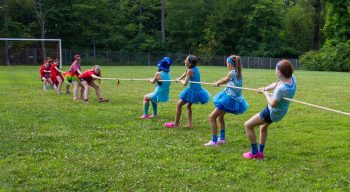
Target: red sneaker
[250, 155]
[261, 156]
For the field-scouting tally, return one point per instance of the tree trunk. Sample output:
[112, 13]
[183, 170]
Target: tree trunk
[42, 29]
[316, 22]
[5, 8]
[41, 16]
[94, 44]
[162, 4]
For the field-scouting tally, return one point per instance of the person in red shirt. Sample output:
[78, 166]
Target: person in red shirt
[45, 74]
[57, 77]
[87, 79]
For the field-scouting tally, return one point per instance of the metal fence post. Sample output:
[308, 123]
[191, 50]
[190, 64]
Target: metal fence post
[148, 59]
[248, 62]
[270, 62]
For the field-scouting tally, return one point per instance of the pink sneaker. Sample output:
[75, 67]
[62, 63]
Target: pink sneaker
[211, 143]
[249, 155]
[222, 141]
[260, 156]
[145, 116]
[170, 125]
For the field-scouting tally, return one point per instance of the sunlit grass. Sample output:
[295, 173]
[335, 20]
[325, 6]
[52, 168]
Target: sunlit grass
[48, 142]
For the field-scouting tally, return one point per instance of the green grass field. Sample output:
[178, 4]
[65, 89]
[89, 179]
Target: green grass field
[50, 143]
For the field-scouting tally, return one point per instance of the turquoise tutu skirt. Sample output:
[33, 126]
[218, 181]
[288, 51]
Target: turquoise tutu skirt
[158, 97]
[190, 95]
[228, 104]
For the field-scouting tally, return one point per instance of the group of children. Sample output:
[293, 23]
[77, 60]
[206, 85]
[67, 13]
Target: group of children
[51, 75]
[229, 100]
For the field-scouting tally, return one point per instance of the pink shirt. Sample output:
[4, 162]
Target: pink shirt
[74, 67]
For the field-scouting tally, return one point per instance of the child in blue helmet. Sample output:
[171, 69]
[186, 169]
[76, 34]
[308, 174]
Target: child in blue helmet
[161, 93]
[230, 100]
[193, 94]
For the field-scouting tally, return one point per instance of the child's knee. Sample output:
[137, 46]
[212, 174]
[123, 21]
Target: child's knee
[247, 125]
[188, 106]
[211, 117]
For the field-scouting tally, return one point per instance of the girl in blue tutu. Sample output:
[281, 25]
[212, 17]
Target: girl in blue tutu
[193, 94]
[230, 100]
[161, 94]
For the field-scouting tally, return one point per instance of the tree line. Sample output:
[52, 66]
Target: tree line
[317, 31]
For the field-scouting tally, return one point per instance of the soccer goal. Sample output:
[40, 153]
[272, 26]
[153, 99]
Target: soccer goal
[29, 51]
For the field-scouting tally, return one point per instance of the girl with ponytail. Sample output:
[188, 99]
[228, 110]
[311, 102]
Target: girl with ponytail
[230, 100]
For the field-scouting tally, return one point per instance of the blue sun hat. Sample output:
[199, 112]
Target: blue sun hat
[164, 64]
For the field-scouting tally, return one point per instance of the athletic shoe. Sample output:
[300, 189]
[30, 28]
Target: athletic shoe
[100, 100]
[211, 144]
[249, 155]
[86, 101]
[221, 141]
[152, 116]
[261, 156]
[147, 116]
[170, 125]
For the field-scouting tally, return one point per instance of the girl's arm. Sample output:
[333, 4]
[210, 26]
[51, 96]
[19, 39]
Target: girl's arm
[95, 77]
[58, 70]
[189, 74]
[273, 103]
[80, 72]
[155, 78]
[181, 77]
[223, 80]
[269, 87]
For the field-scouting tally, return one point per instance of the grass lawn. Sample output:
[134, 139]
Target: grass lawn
[50, 143]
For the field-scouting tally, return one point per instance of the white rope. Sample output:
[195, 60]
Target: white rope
[244, 88]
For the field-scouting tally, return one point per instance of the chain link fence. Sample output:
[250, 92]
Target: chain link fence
[33, 56]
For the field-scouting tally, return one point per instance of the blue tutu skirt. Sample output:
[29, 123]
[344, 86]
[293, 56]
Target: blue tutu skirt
[158, 97]
[195, 96]
[228, 104]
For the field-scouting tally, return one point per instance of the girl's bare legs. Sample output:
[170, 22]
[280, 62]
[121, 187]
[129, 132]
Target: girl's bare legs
[82, 90]
[97, 89]
[67, 88]
[212, 120]
[179, 105]
[222, 121]
[189, 112]
[249, 127]
[146, 100]
[59, 87]
[86, 90]
[75, 90]
[263, 133]
[44, 83]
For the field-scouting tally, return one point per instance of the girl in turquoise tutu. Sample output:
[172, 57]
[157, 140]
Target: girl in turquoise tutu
[193, 94]
[161, 94]
[230, 100]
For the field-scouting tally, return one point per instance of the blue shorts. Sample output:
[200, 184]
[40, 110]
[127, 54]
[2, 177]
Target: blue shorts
[265, 115]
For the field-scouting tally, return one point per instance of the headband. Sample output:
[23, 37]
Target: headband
[232, 62]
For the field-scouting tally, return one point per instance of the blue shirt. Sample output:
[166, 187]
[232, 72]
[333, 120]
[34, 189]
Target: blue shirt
[195, 78]
[282, 90]
[234, 93]
[162, 90]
